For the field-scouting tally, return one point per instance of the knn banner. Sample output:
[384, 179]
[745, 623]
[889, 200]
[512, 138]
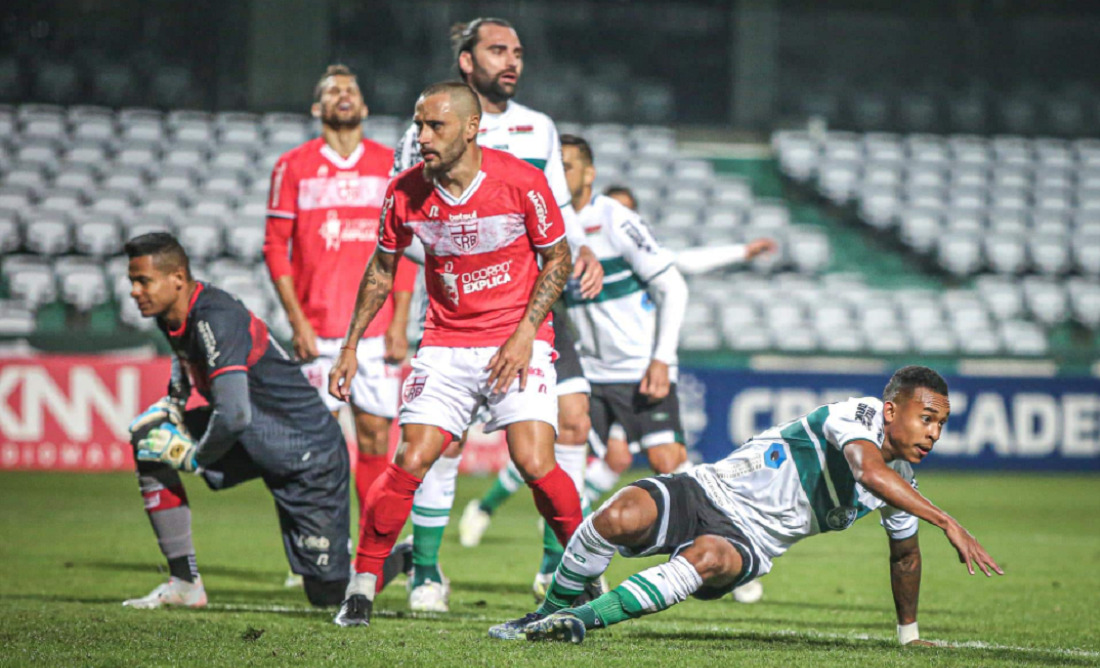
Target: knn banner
[1050, 424]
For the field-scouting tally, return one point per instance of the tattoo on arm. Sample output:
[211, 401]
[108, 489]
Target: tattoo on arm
[373, 290]
[905, 564]
[557, 266]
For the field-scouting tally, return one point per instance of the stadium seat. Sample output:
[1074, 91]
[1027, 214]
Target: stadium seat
[1086, 253]
[80, 177]
[56, 82]
[1084, 301]
[87, 152]
[16, 319]
[32, 284]
[838, 180]
[920, 228]
[1049, 254]
[1046, 300]
[1005, 254]
[97, 235]
[83, 287]
[808, 249]
[960, 256]
[246, 240]
[202, 238]
[48, 233]
[10, 236]
[934, 341]
[114, 85]
[980, 342]
[1023, 338]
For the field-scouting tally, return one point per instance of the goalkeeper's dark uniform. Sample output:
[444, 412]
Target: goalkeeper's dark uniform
[264, 421]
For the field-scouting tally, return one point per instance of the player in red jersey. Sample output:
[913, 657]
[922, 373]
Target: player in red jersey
[321, 231]
[485, 218]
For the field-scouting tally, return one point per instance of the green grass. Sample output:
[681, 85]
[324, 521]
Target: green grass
[74, 546]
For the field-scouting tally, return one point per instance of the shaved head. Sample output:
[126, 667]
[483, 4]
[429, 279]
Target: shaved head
[464, 102]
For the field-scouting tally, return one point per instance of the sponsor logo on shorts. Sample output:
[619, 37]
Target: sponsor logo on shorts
[315, 543]
[486, 278]
[414, 385]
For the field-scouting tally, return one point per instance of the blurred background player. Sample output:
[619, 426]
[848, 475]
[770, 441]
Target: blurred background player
[263, 421]
[322, 228]
[489, 57]
[485, 219]
[723, 524]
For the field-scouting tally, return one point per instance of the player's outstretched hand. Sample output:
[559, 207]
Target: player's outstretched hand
[397, 343]
[655, 385]
[511, 359]
[339, 379]
[590, 271]
[304, 341]
[971, 552]
[758, 246]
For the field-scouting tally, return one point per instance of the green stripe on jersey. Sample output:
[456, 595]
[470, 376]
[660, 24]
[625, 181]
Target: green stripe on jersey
[614, 265]
[537, 162]
[810, 475]
[611, 290]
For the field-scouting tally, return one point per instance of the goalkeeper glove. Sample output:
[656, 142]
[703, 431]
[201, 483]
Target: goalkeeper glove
[166, 409]
[170, 444]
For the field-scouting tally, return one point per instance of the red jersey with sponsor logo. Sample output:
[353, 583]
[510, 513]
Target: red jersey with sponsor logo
[481, 259]
[322, 228]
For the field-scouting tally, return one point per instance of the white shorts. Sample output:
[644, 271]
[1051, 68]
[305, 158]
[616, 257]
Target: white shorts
[375, 386]
[447, 386]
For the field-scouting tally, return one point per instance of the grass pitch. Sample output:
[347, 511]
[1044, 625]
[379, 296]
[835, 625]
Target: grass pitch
[74, 546]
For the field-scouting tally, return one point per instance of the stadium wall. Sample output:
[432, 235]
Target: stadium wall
[70, 413]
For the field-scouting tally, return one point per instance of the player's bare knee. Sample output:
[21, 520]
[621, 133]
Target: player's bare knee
[533, 465]
[714, 559]
[372, 433]
[619, 460]
[415, 458]
[666, 458]
[625, 515]
[573, 420]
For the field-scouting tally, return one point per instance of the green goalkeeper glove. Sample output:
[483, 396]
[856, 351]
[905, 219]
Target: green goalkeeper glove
[170, 444]
[165, 409]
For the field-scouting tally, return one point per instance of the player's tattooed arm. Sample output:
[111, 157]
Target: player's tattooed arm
[514, 357]
[905, 564]
[374, 287]
[557, 266]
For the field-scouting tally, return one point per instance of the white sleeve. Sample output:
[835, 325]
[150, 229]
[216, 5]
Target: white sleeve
[415, 250]
[854, 419]
[702, 259]
[670, 292]
[633, 240]
[555, 176]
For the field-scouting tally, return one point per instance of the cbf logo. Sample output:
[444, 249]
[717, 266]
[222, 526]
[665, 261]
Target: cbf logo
[464, 234]
[413, 387]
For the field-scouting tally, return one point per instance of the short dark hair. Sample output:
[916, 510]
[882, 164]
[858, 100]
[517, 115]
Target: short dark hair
[455, 89]
[334, 70]
[582, 145]
[168, 255]
[909, 378]
[616, 189]
[464, 36]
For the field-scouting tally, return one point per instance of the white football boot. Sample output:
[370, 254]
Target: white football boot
[174, 592]
[431, 597]
[473, 524]
[750, 592]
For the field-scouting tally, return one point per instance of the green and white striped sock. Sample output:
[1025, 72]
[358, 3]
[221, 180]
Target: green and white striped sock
[430, 512]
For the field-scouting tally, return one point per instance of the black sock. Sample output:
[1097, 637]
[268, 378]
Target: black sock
[184, 568]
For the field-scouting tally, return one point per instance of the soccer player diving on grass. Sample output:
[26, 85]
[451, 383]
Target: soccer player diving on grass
[724, 523]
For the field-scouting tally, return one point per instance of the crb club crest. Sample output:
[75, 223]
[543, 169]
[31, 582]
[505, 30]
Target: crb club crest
[464, 234]
[413, 387]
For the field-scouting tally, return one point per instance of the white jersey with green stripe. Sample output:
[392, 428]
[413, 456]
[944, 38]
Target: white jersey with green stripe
[793, 481]
[525, 133]
[617, 328]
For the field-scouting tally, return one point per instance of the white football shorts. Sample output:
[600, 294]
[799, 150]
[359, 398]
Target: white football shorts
[375, 386]
[447, 386]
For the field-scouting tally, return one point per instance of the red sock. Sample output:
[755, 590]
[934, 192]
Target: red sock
[558, 503]
[389, 503]
[367, 469]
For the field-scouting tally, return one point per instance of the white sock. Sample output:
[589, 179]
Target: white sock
[572, 459]
[510, 478]
[599, 479]
[435, 497]
[673, 582]
[362, 583]
[587, 556]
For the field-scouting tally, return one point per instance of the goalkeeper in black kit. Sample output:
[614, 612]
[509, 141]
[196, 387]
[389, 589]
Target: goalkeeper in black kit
[263, 420]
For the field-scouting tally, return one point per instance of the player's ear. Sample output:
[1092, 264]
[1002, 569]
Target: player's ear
[889, 411]
[366, 111]
[315, 110]
[589, 175]
[473, 126]
[466, 63]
